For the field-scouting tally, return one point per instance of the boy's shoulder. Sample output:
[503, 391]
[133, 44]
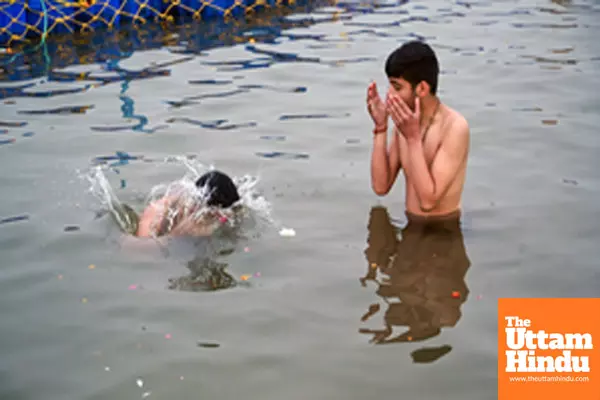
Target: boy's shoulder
[456, 121]
[152, 216]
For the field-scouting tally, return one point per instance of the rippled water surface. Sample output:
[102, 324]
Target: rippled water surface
[89, 314]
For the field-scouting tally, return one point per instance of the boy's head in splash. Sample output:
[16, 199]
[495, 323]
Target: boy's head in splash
[219, 189]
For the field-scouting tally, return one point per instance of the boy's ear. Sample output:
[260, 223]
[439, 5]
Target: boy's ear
[422, 89]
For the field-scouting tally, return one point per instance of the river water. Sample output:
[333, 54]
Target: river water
[88, 313]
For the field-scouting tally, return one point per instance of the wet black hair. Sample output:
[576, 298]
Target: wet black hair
[222, 192]
[414, 61]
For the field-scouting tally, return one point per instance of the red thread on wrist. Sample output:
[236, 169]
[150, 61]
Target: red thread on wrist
[377, 130]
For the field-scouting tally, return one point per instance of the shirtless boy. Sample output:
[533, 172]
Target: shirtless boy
[430, 141]
[221, 195]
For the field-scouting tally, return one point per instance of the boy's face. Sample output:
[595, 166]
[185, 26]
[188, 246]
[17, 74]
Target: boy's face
[403, 88]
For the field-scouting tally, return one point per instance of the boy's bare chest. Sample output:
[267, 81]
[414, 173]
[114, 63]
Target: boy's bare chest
[430, 143]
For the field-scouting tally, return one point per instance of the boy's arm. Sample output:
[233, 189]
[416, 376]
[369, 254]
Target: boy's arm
[432, 186]
[152, 217]
[385, 164]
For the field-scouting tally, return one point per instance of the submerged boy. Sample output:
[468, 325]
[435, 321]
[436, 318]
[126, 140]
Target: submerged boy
[430, 141]
[173, 215]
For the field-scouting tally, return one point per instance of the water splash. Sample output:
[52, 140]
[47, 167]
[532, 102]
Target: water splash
[252, 213]
[101, 189]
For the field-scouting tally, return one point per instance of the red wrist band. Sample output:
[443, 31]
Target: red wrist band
[380, 130]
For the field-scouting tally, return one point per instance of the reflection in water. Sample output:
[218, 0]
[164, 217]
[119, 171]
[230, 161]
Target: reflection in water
[106, 47]
[128, 109]
[13, 124]
[188, 38]
[191, 40]
[206, 272]
[59, 110]
[218, 124]
[421, 278]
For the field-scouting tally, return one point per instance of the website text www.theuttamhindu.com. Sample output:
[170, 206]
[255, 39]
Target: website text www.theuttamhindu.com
[549, 379]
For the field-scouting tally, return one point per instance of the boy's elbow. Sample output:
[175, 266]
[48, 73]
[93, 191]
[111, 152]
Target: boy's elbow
[380, 190]
[427, 207]
[428, 203]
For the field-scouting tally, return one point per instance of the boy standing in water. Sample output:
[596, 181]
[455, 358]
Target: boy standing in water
[430, 141]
